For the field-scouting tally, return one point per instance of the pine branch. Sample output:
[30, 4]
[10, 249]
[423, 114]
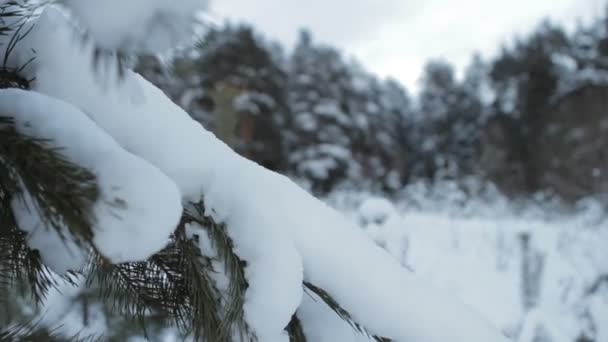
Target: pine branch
[34, 332]
[28, 332]
[177, 285]
[203, 316]
[124, 289]
[295, 331]
[21, 267]
[9, 78]
[597, 284]
[234, 268]
[62, 192]
[118, 59]
[7, 228]
[40, 168]
[24, 269]
[341, 312]
[14, 21]
[157, 287]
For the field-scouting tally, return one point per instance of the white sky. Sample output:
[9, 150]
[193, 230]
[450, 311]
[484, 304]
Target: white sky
[395, 37]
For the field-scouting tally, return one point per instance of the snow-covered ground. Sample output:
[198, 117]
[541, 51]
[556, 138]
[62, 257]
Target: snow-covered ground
[536, 273]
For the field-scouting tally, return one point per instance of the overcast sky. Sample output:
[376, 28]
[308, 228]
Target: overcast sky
[395, 37]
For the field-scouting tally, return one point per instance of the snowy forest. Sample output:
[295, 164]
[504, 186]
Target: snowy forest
[167, 179]
[318, 116]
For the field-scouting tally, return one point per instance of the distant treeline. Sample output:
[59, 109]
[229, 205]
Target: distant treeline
[534, 118]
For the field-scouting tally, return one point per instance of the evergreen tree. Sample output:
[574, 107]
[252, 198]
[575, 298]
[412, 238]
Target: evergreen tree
[397, 122]
[527, 78]
[586, 60]
[320, 128]
[381, 112]
[238, 67]
[451, 115]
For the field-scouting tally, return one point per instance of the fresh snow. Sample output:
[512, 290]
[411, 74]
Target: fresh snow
[475, 255]
[59, 254]
[375, 210]
[63, 308]
[472, 248]
[284, 234]
[137, 25]
[129, 209]
[154, 128]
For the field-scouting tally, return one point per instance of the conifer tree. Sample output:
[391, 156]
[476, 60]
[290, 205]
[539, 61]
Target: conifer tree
[527, 77]
[320, 127]
[381, 113]
[452, 113]
[236, 66]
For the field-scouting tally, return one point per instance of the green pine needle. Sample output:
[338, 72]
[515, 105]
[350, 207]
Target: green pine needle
[233, 319]
[34, 332]
[341, 312]
[21, 267]
[177, 285]
[295, 330]
[63, 192]
[28, 332]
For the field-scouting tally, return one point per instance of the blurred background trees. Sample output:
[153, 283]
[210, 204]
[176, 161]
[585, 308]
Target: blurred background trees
[530, 119]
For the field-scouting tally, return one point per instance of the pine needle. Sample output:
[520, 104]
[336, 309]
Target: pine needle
[341, 312]
[177, 285]
[33, 332]
[234, 300]
[295, 330]
[63, 192]
[21, 267]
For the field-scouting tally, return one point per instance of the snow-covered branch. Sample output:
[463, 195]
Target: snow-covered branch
[148, 154]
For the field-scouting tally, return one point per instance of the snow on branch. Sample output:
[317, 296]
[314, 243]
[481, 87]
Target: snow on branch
[151, 26]
[283, 234]
[126, 208]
